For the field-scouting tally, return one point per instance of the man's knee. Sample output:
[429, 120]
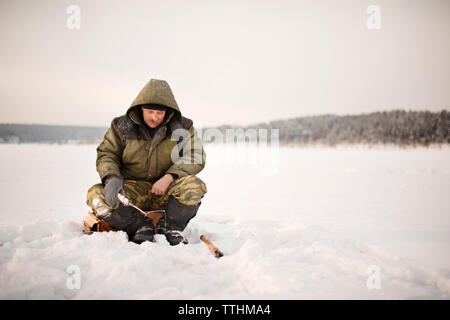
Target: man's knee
[137, 191]
[188, 190]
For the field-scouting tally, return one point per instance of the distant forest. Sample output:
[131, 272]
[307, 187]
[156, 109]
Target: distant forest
[25, 133]
[399, 127]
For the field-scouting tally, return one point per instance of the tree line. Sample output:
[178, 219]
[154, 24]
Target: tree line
[398, 127]
[30, 133]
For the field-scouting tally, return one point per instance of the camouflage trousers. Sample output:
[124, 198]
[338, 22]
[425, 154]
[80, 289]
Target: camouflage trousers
[188, 190]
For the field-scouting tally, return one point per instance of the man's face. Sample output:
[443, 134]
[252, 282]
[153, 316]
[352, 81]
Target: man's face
[153, 118]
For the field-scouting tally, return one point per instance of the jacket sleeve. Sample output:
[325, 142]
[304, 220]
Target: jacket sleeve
[193, 157]
[109, 154]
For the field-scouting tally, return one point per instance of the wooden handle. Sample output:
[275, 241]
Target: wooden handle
[217, 252]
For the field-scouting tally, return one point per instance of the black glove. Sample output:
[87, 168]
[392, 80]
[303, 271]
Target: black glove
[113, 186]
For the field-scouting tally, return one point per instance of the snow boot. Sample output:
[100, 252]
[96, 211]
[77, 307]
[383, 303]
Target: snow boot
[175, 221]
[174, 237]
[128, 219]
[144, 233]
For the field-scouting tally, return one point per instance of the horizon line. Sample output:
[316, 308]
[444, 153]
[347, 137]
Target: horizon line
[234, 125]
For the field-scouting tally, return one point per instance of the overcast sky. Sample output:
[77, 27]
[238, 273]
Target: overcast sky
[228, 62]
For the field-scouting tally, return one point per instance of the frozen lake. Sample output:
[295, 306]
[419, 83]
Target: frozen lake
[386, 198]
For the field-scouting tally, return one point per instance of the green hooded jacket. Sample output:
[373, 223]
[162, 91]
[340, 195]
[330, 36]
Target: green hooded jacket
[131, 151]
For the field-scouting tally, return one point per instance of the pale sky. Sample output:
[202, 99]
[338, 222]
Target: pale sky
[227, 62]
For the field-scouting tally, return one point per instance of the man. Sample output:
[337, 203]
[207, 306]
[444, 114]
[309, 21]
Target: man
[150, 155]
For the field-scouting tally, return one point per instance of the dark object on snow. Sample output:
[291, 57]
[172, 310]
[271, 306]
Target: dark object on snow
[217, 253]
[142, 225]
[138, 227]
[174, 237]
[144, 233]
[128, 219]
[176, 219]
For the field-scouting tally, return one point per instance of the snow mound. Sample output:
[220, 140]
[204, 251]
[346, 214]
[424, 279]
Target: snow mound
[262, 260]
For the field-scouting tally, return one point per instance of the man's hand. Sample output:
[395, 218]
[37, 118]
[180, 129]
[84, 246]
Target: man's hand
[113, 185]
[160, 187]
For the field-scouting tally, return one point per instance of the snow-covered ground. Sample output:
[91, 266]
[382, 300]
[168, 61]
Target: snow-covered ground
[312, 227]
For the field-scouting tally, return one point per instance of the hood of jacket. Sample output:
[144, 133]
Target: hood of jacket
[154, 92]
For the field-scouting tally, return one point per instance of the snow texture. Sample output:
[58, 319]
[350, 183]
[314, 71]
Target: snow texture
[312, 230]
